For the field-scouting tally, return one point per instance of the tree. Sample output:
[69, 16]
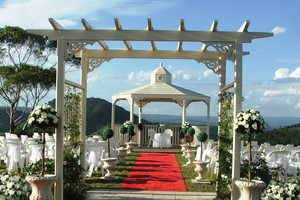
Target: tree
[24, 85]
[24, 80]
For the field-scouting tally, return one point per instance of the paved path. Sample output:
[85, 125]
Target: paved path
[118, 194]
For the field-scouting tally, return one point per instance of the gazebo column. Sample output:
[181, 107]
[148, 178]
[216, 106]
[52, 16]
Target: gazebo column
[183, 111]
[113, 114]
[60, 94]
[140, 121]
[237, 109]
[84, 67]
[131, 110]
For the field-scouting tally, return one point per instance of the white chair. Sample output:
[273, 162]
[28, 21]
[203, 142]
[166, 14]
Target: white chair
[294, 164]
[168, 139]
[14, 154]
[36, 136]
[279, 159]
[151, 133]
[96, 152]
[261, 154]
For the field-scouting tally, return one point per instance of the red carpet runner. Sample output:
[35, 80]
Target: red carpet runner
[155, 172]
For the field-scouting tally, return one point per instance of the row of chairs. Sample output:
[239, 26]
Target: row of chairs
[17, 152]
[152, 132]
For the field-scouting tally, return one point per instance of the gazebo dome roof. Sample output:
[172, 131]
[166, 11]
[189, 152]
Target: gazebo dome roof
[161, 89]
[161, 75]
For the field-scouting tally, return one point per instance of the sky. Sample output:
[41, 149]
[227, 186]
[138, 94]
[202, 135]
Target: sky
[271, 72]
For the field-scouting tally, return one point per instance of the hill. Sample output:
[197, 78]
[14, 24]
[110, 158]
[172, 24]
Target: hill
[98, 115]
[285, 135]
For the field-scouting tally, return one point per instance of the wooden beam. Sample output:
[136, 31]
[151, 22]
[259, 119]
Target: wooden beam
[149, 54]
[87, 26]
[227, 87]
[119, 28]
[74, 84]
[181, 28]
[55, 24]
[150, 28]
[244, 27]
[155, 35]
[213, 28]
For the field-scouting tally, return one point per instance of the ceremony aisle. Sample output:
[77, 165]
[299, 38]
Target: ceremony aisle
[155, 172]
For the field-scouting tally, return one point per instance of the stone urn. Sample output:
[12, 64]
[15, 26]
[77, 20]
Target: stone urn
[200, 169]
[41, 186]
[190, 155]
[130, 146]
[109, 165]
[184, 147]
[122, 152]
[250, 190]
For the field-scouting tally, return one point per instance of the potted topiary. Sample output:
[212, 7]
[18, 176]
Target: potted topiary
[200, 164]
[190, 154]
[128, 126]
[184, 128]
[109, 163]
[248, 124]
[43, 117]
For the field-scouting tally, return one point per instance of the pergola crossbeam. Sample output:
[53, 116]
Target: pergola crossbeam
[87, 26]
[55, 24]
[119, 28]
[244, 27]
[181, 28]
[150, 28]
[213, 28]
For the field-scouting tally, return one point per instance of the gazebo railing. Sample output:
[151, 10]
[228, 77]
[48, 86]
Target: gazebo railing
[175, 141]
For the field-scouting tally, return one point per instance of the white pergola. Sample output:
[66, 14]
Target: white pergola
[160, 89]
[226, 45]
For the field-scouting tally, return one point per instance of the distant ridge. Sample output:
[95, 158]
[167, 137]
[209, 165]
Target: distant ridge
[273, 122]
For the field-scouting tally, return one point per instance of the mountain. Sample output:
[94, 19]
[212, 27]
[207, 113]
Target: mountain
[273, 122]
[98, 115]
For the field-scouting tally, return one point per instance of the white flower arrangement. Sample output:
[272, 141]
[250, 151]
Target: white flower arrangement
[43, 116]
[162, 125]
[278, 190]
[186, 125]
[12, 186]
[250, 122]
[127, 123]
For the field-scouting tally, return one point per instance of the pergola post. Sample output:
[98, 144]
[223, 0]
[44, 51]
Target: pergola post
[83, 81]
[140, 121]
[237, 108]
[208, 118]
[222, 83]
[183, 111]
[59, 142]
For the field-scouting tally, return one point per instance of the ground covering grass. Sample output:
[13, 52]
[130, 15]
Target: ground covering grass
[120, 171]
[189, 173]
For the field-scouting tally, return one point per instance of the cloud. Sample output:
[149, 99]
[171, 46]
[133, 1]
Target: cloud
[35, 13]
[282, 75]
[289, 61]
[278, 30]
[92, 78]
[298, 105]
[139, 78]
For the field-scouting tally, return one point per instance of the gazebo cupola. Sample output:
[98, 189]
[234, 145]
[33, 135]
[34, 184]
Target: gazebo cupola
[161, 75]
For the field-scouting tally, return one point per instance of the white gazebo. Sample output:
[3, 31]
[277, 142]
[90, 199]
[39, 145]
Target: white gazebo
[160, 89]
[215, 48]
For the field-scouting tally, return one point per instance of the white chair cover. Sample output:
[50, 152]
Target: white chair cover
[151, 133]
[14, 154]
[280, 159]
[169, 139]
[96, 152]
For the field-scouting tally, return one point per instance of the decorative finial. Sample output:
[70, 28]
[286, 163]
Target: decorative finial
[161, 65]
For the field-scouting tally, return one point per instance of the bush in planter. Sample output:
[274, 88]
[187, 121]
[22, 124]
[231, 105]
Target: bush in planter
[258, 168]
[13, 186]
[107, 134]
[201, 137]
